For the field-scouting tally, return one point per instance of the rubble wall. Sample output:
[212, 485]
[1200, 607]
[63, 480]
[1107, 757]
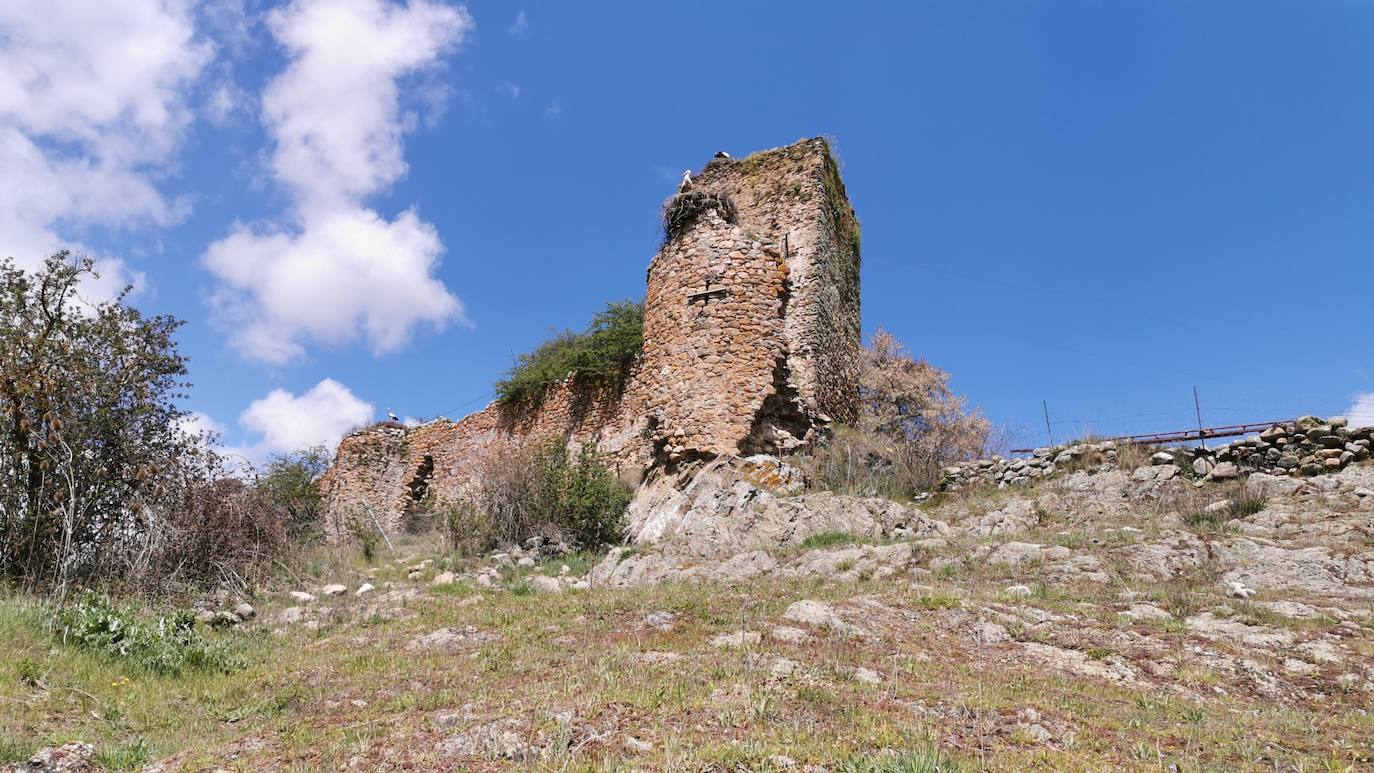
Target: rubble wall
[1304, 447]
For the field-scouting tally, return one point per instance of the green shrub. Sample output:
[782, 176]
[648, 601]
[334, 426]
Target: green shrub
[467, 531]
[589, 502]
[364, 530]
[542, 489]
[165, 644]
[601, 355]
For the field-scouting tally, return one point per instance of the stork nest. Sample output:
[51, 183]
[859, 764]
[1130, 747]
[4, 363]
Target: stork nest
[684, 208]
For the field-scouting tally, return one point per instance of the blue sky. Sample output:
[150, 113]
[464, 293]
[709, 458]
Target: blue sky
[362, 204]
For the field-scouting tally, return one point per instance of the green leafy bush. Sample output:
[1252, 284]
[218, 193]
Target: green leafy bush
[588, 500]
[164, 644]
[542, 489]
[601, 355]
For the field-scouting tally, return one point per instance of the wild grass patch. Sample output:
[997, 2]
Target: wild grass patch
[828, 539]
[130, 755]
[927, 759]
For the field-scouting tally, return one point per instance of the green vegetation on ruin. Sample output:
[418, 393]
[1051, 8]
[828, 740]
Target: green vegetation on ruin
[599, 356]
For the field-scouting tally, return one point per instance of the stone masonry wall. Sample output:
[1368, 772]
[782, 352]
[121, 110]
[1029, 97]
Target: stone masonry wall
[751, 344]
[713, 336]
[387, 469]
[794, 198]
[1305, 447]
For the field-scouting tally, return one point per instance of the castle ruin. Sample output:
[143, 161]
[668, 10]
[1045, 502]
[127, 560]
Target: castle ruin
[751, 345]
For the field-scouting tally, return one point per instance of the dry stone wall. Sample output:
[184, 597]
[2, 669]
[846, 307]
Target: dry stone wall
[1305, 447]
[751, 345]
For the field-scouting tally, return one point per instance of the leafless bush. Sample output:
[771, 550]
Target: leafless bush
[222, 532]
[910, 427]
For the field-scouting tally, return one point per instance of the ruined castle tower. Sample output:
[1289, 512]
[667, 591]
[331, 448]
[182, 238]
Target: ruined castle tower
[751, 332]
[751, 344]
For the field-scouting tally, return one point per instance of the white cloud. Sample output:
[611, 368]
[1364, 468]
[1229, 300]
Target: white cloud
[520, 25]
[511, 90]
[554, 108]
[92, 108]
[348, 271]
[1361, 410]
[285, 422]
[339, 270]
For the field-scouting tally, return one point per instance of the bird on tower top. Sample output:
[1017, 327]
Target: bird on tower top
[391, 415]
[686, 181]
[722, 154]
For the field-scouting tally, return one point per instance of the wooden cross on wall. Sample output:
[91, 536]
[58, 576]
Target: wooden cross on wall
[708, 294]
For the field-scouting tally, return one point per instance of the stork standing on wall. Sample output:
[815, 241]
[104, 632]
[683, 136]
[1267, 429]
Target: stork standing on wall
[722, 154]
[686, 181]
[391, 415]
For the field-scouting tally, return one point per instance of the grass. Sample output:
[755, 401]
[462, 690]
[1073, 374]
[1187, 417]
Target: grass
[1216, 519]
[354, 694]
[14, 750]
[924, 760]
[130, 755]
[828, 539]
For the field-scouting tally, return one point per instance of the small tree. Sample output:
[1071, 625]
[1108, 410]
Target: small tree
[291, 482]
[92, 445]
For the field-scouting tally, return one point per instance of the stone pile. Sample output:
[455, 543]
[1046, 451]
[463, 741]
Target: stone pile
[1308, 446]
[1305, 447]
[1042, 463]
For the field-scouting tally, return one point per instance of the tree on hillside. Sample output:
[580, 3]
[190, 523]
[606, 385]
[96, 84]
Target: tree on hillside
[91, 439]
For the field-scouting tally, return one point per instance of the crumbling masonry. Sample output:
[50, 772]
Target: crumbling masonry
[751, 345]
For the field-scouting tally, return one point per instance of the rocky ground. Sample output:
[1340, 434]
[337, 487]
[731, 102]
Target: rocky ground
[1090, 620]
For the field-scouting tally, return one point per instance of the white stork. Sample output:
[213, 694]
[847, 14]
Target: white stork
[686, 181]
[722, 154]
[391, 415]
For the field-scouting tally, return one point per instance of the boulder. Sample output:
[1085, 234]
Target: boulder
[817, 615]
[544, 583]
[334, 590]
[1224, 471]
[717, 510]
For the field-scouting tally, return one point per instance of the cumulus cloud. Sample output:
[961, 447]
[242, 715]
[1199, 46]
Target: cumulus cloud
[338, 270]
[283, 422]
[88, 126]
[1361, 411]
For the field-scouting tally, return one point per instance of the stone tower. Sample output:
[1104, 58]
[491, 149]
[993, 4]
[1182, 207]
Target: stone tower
[751, 334]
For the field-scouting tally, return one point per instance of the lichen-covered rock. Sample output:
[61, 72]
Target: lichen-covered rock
[716, 510]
